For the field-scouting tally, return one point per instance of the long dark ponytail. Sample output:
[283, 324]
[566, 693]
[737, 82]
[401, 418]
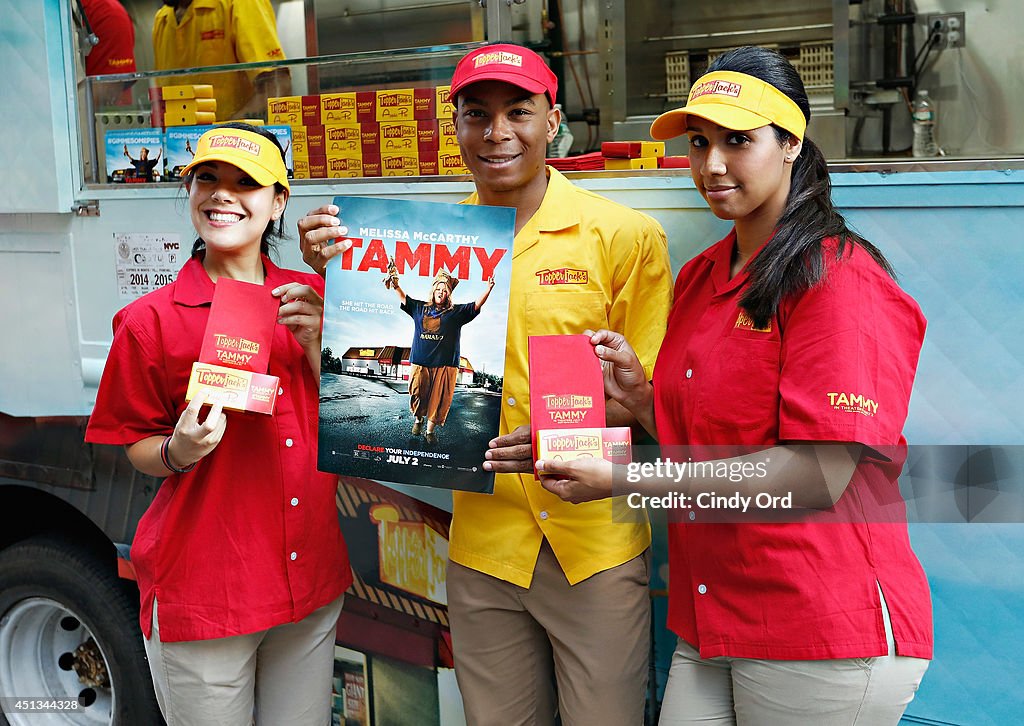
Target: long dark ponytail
[274, 230]
[792, 261]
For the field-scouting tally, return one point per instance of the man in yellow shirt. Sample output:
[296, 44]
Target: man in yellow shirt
[541, 592]
[196, 33]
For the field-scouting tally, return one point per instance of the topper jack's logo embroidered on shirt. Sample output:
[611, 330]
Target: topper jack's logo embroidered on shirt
[852, 403]
[745, 322]
[563, 276]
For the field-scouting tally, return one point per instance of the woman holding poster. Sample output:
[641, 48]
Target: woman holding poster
[435, 355]
[790, 343]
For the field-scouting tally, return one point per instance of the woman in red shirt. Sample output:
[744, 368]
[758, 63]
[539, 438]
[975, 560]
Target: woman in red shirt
[793, 588]
[240, 560]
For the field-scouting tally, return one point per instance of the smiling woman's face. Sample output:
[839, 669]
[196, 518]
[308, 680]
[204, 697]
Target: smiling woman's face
[229, 209]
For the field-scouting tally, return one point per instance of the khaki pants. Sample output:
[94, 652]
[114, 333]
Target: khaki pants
[276, 677]
[726, 691]
[512, 645]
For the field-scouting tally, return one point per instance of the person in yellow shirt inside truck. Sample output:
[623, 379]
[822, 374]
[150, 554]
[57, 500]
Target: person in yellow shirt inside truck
[542, 592]
[196, 33]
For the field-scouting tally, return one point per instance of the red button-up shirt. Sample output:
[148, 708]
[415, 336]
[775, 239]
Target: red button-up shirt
[249, 539]
[836, 364]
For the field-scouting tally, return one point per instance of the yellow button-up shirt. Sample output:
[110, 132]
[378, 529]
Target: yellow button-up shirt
[213, 33]
[617, 277]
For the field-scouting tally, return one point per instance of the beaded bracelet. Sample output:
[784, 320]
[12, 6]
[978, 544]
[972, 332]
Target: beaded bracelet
[167, 459]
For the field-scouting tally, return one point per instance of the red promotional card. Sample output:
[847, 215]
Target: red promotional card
[241, 326]
[566, 384]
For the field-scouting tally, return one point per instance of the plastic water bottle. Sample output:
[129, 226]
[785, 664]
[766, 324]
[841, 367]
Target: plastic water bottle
[562, 143]
[924, 126]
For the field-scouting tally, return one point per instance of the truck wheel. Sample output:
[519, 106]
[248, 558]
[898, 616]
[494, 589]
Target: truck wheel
[69, 631]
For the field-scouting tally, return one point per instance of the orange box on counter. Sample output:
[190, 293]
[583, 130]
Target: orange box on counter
[673, 162]
[169, 93]
[294, 110]
[235, 389]
[400, 163]
[366, 106]
[446, 139]
[372, 166]
[397, 136]
[338, 108]
[443, 105]
[644, 162]
[300, 147]
[428, 165]
[395, 104]
[427, 137]
[315, 141]
[370, 131]
[312, 168]
[285, 110]
[189, 118]
[450, 163]
[339, 168]
[190, 105]
[342, 137]
[424, 103]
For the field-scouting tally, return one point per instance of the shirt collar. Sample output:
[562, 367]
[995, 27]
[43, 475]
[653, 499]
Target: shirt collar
[558, 210]
[194, 288]
[720, 256]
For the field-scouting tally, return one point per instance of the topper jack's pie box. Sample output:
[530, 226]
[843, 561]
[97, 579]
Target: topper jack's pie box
[566, 386]
[235, 355]
[610, 443]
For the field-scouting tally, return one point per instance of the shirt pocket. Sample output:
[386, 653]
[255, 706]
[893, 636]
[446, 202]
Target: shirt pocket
[564, 313]
[213, 47]
[741, 383]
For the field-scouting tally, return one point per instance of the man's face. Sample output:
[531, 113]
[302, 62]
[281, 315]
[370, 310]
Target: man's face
[503, 131]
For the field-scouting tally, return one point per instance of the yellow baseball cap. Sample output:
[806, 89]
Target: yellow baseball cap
[735, 101]
[256, 155]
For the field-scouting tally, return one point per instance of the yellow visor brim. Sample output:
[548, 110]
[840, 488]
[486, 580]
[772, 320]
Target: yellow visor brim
[673, 123]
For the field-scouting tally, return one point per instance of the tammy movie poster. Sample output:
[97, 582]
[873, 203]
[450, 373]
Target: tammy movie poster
[415, 317]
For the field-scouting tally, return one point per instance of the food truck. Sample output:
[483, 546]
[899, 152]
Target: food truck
[83, 231]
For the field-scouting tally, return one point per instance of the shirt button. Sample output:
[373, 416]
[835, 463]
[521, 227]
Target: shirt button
[511, 401]
[689, 372]
[543, 515]
[295, 502]
[693, 515]
[280, 391]
[295, 554]
[700, 588]
[288, 443]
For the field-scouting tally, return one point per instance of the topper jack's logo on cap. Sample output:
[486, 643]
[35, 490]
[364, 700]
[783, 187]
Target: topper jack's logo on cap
[235, 142]
[501, 57]
[717, 88]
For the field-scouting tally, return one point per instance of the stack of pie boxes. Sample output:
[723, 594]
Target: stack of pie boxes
[392, 132]
[183, 105]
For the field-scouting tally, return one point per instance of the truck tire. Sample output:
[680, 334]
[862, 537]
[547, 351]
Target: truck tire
[69, 631]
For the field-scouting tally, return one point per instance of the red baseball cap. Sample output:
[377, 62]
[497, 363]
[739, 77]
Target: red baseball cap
[505, 62]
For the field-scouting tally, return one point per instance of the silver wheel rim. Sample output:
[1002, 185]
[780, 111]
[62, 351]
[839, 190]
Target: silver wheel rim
[38, 641]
